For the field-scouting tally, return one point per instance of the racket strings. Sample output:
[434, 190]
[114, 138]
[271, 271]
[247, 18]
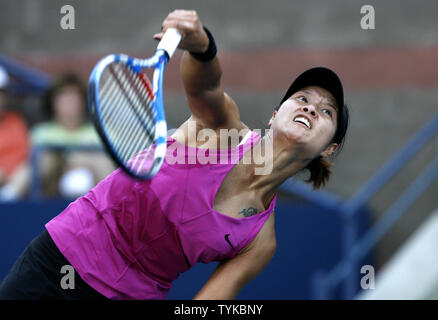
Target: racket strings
[119, 115]
[133, 99]
[127, 112]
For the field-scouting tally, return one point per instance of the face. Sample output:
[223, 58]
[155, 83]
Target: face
[69, 107]
[308, 119]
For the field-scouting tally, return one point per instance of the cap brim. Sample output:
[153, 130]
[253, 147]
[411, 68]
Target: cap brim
[321, 77]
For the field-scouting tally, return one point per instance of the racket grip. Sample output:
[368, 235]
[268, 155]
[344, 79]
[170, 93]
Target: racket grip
[170, 41]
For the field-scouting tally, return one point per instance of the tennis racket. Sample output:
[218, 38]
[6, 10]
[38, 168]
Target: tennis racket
[127, 109]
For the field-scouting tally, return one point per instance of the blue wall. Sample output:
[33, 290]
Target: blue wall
[308, 238]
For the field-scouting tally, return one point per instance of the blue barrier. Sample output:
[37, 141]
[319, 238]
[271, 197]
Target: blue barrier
[20, 222]
[308, 239]
[355, 246]
[27, 79]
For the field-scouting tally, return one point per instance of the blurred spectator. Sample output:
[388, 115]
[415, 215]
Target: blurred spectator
[68, 173]
[14, 146]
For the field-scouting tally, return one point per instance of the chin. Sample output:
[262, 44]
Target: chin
[292, 138]
[297, 135]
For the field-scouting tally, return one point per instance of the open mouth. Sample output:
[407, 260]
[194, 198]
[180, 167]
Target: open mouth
[304, 121]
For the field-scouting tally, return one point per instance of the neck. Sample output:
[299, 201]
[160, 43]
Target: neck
[69, 124]
[272, 164]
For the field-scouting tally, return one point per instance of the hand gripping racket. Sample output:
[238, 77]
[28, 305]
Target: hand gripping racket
[127, 111]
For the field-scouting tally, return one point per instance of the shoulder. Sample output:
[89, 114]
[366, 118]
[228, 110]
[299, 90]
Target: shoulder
[88, 132]
[252, 259]
[264, 245]
[12, 116]
[233, 274]
[231, 123]
[41, 130]
[53, 133]
[229, 120]
[14, 120]
[194, 132]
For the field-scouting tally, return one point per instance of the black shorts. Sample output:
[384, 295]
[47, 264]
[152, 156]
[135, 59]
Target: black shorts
[37, 275]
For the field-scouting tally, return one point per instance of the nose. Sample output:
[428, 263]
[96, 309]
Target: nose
[310, 109]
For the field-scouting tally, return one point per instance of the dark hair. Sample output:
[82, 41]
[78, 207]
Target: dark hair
[59, 83]
[319, 168]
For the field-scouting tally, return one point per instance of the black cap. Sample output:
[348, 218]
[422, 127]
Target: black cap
[321, 77]
[329, 80]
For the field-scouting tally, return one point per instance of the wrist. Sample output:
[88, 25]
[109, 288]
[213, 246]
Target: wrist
[211, 51]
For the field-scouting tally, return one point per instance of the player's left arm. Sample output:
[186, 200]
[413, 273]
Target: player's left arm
[232, 275]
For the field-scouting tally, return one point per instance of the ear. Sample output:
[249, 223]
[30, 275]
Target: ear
[329, 150]
[272, 118]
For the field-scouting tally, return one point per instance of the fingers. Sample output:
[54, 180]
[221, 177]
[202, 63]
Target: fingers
[189, 25]
[183, 14]
[186, 21]
[158, 36]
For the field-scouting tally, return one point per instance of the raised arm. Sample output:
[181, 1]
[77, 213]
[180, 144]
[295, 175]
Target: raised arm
[209, 104]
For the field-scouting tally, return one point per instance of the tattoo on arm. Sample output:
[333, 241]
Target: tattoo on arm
[248, 212]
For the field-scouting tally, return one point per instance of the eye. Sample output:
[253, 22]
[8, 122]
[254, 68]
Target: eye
[328, 112]
[302, 98]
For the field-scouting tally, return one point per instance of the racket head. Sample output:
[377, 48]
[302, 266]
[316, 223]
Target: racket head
[127, 112]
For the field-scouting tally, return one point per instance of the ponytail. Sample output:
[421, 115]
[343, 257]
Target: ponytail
[320, 172]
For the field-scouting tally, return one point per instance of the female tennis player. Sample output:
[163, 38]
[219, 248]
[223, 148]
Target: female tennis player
[129, 239]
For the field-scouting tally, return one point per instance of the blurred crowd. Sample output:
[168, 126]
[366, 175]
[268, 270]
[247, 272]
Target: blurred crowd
[60, 156]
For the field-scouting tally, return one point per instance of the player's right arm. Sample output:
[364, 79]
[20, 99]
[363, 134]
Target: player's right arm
[211, 107]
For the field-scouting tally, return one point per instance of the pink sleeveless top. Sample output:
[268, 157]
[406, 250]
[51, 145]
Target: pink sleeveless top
[129, 239]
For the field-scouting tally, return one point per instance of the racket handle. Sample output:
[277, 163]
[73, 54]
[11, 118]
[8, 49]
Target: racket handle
[170, 41]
